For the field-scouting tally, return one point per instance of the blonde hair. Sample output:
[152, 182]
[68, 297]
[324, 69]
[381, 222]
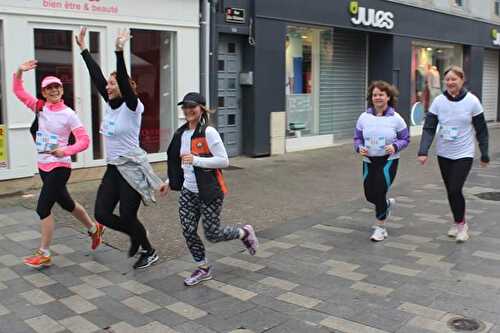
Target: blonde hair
[205, 116]
[457, 70]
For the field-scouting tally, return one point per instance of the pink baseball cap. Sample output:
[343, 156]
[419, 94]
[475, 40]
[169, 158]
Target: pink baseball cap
[48, 80]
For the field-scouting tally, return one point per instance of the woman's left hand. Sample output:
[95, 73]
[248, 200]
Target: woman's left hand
[389, 149]
[59, 152]
[187, 159]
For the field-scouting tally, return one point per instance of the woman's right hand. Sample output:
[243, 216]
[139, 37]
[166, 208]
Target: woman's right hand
[363, 151]
[422, 159]
[80, 38]
[28, 65]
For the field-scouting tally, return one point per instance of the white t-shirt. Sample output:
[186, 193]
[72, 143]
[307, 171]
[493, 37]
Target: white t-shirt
[379, 132]
[54, 129]
[216, 147]
[455, 138]
[121, 128]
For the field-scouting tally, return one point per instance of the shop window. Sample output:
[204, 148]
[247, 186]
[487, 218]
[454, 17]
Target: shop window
[220, 64]
[459, 3]
[304, 61]
[429, 61]
[231, 119]
[231, 47]
[497, 8]
[152, 69]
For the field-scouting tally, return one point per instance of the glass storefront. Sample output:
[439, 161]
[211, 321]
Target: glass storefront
[428, 63]
[152, 69]
[306, 49]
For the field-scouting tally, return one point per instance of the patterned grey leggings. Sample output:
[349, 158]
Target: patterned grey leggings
[191, 209]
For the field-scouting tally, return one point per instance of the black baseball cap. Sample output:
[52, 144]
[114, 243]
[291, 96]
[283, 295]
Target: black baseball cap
[193, 99]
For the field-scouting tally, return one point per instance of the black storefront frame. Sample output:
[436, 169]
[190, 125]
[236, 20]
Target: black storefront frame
[389, 52]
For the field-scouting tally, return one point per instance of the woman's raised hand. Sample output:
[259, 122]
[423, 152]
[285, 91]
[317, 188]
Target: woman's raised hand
[28, 65]
[122, 37]
[80, 38]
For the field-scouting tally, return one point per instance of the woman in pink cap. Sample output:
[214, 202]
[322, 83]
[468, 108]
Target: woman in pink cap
[56, 122]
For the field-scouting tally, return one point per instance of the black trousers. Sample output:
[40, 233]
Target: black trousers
[114, 189]
[378, 177]
[54, 190]
[454, 173]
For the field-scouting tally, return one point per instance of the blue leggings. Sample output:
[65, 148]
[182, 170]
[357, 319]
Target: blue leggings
[378, 176]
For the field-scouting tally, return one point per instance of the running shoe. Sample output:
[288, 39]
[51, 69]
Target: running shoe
[453, 232]
[39, 259]
[146, 259]
[199, 275]
[462, 234]
[96, 236]
[379, 234]
[250, 240]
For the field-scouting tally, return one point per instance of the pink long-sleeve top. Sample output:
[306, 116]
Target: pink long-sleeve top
[56, 121]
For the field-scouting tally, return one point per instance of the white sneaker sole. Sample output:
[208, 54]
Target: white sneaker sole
[151, 263]
[199, 281]
[463, 240]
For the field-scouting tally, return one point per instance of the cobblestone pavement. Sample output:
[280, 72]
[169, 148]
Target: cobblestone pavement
[317, 273]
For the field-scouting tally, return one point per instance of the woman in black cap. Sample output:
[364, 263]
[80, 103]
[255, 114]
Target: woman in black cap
[196, 156]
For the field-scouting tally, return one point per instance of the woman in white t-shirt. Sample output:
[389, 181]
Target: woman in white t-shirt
[196, 156]
[459, 114]
[380, 135]
[121, 127]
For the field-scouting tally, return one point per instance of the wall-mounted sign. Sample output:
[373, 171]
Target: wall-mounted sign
[235, 15]
[496, 37]
[370, 17]
[3, 148]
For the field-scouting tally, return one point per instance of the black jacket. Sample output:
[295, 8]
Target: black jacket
[210, 181]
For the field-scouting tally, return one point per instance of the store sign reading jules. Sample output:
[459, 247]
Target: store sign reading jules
[90, 6]
[370, 17]
[496, 37]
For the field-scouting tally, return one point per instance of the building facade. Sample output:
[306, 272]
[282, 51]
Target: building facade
[302, 77]
[162, 56]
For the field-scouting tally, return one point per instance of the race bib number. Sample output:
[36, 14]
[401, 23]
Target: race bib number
[449, 133]
[107, 128]
[375, 146]
[46, 142]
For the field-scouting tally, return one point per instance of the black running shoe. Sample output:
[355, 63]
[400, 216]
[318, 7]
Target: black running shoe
[146, 259]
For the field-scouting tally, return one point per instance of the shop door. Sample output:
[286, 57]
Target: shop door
[229, 113]
[58, 55]
[490, 85]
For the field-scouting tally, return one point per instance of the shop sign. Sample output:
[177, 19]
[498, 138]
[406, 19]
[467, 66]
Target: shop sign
[88, 6]
[3, 147]
[496, 37]
[235, 15]
[370, 17]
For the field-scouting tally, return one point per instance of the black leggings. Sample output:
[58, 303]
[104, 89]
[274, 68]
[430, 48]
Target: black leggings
[113, 189]
[377, 179]
[454, 173]
[54, 190]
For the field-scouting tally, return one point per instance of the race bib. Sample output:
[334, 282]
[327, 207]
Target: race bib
[375, 145]
[449, 133]
[107, 128]
[46, 142]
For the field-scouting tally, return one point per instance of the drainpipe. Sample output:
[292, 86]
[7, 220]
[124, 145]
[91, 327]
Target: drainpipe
[205, 49]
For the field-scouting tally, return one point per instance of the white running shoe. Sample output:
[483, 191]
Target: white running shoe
[462, 234]
[379, 234]
[391, 202]
[453, 232]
